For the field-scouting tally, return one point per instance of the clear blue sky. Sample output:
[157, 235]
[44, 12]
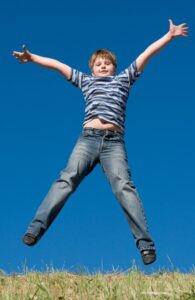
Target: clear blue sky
[41, 118]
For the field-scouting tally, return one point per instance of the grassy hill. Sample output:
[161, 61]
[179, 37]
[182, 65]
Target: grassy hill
[117, 286]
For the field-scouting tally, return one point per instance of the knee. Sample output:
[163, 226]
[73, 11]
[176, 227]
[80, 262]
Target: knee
[122, 187]
[61, 183]
[67, 180]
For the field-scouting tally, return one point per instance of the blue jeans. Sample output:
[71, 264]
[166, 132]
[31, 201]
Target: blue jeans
[107, 148]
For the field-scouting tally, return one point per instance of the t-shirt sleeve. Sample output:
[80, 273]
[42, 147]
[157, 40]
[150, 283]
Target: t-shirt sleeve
[76, 78]
[132, 73]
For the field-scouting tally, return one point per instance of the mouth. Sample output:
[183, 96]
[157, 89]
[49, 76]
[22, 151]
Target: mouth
[104, 72]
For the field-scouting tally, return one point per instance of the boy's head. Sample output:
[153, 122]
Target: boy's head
[103, 63]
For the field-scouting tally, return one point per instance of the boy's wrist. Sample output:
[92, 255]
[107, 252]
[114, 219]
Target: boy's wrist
[170, 35]
[32, 57]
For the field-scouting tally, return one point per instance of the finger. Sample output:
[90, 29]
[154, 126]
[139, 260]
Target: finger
[25, 49]
[170, 22]
[183, 24]
[17, 55]
[185, 34]
[23, 61]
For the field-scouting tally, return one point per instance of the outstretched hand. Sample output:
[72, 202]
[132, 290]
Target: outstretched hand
[24, 56]
[180, 30]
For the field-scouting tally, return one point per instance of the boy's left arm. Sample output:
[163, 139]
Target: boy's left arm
[174, 31]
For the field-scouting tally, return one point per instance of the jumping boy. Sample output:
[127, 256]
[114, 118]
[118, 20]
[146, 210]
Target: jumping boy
[102, 138]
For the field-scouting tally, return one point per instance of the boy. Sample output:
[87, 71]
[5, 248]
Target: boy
[102, 138]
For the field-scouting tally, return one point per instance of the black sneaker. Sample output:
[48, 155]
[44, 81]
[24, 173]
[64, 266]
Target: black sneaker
[30, 239]
[148, 256]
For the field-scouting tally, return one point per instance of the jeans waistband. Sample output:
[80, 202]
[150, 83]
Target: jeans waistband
[102, 132]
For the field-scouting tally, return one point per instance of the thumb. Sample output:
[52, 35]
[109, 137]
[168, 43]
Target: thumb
[170, 22]
[25, 49]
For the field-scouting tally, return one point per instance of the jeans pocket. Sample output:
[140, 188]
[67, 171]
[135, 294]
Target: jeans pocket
[86, 134]
[118, 138]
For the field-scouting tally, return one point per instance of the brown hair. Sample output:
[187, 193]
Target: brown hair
[103, 53]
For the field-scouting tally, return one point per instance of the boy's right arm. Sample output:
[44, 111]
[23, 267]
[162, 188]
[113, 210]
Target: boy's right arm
[49, 63]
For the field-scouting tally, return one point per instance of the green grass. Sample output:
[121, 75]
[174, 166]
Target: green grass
[114, 286]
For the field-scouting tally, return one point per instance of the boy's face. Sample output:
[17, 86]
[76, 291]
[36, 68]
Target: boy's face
[103, 67]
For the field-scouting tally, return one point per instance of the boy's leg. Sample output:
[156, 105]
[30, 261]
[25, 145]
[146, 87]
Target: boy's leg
[81, 162]
[114, 163]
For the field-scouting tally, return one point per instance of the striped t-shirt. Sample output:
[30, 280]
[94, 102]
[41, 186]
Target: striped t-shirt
[106, 96]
